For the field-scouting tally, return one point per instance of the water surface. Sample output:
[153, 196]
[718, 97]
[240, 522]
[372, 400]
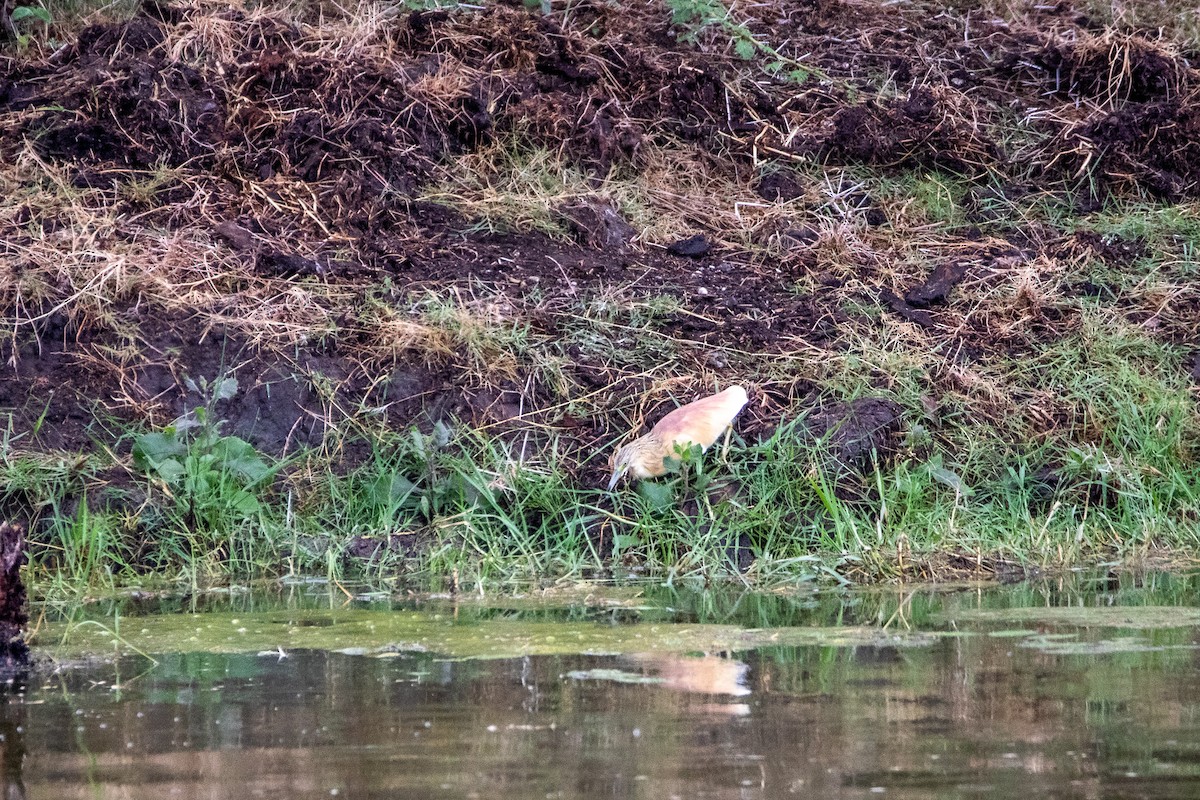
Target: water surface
[1014, 692]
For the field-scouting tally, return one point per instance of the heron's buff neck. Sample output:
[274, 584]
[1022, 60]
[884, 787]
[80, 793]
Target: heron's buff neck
[637, 453]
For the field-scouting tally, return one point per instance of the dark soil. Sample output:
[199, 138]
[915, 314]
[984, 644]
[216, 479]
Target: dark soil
[66, 383]
[854, 433]
[937, 286]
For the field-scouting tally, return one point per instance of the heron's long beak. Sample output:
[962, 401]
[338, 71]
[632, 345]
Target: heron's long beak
[616, 476]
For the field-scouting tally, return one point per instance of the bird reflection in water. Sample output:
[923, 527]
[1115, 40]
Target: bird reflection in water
[700, 675]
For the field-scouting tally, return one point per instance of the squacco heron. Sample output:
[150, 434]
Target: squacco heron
[700, 422]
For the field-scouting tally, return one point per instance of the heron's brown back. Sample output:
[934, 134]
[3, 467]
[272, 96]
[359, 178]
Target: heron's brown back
[700, 422]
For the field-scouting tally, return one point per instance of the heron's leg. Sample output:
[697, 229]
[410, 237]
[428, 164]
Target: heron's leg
[725, 444]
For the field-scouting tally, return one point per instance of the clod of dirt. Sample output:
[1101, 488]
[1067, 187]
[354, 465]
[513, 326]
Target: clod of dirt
[139, 35]
[804, 236]
[281, 403]
[898, 304]
[972, 565]
[1092, 289]
[1112, 249]
[274, 262]
[348, 140]
[779, 186]
[595, 223]
[1156, 144]
[14, 653]
[1196, 367]
[369, 548]
[919, 130]
[234, 235]
[741, 552]
[267, 260]
[692, 247]
[163, 12]
[1097, 68]
[872, 214]
[857, 431]
[1051, 481]
[937, 286]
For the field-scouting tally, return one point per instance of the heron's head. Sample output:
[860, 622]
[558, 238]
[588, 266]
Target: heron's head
[620, 464]
[630, 458]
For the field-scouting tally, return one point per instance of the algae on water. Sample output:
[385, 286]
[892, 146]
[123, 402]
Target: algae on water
[372, 632]
[1133, 617]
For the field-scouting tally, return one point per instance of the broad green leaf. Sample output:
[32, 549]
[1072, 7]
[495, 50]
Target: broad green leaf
[186, 422]
[909, 483]
[169, 470]
[226, 389]
[418, 440]
[624, 541]
[30, 12]
[949, 478]
[918, 435]
[150, 449]
[660, 496]
[442, 434]
[238, 456]
[243, 502]
[233, 447]
[393, 488]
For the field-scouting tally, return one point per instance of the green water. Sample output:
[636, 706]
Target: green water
[1087, 688]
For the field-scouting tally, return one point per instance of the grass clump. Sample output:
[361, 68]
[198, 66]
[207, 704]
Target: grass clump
[455, 509]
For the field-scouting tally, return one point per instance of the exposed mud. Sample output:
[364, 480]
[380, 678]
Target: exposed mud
[304, 157]
[60, 386]
[365, 130]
